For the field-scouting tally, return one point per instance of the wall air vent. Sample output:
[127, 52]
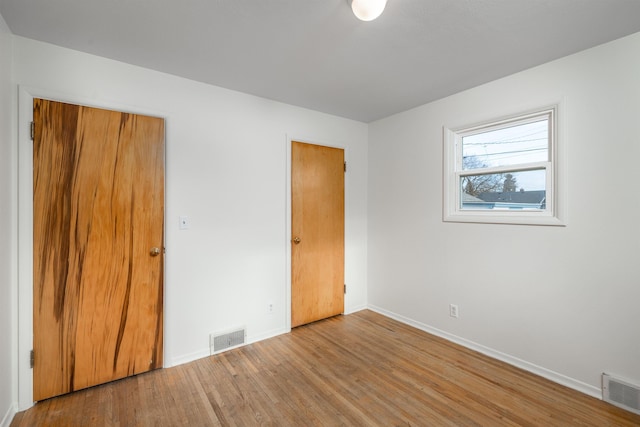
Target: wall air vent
[621, 393]
[222, 341]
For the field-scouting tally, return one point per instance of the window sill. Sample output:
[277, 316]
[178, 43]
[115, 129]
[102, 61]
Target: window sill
[513, 218]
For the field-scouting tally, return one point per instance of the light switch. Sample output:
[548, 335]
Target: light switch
[185, 222]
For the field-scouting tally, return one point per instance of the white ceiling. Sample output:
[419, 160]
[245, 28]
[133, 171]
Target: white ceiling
[316, 54]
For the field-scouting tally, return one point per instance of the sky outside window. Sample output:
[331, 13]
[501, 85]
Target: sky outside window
[510, 146]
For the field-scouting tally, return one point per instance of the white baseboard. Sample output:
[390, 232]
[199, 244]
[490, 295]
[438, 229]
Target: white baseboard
[8, 417]
[269, 334]
[355, 309]
[519, 363]
[186, 358]
[206, 352]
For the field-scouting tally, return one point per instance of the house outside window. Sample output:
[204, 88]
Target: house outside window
[504, 171]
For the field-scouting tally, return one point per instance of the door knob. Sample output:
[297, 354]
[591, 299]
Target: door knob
[296, 240]
[154, 251]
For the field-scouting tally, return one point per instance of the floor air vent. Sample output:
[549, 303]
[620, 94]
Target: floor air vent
[227, 340]
[621, 393]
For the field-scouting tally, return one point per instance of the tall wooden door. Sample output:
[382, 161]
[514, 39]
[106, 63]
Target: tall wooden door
[317, 232]
[98, 212]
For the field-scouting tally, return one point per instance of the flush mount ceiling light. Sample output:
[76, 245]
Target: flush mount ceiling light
[367, 10]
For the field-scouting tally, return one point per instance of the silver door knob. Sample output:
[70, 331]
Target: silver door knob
[154, 251]
[296, 240]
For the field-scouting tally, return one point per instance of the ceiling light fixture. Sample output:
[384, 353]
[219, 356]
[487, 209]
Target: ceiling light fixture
[367, 10]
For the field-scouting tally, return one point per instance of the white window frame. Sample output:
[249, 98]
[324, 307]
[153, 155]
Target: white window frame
[553, 214]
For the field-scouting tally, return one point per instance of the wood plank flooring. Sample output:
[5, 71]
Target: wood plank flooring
[358, 370]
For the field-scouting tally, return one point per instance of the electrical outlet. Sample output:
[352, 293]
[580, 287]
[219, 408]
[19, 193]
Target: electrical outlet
[453, 310]
[185, 222]
[270, 308]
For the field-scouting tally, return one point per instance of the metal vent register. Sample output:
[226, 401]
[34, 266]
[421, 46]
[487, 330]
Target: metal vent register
[226, 340]
[621, 393]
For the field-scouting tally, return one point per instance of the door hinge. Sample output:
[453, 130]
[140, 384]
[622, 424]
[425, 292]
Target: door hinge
[32, 359]
[345, 166]
[345, 288]
[33, 130]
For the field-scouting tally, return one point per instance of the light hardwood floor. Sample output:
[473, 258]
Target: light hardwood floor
[362, 369]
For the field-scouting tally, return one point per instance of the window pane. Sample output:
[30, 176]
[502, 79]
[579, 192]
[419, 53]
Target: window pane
[515, 190]
[511, 145]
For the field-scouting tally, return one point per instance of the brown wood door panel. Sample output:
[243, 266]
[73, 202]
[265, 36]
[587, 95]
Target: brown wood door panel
[317, 219]
[98, 210]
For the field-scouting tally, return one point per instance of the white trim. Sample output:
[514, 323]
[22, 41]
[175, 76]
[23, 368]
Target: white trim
[356, 309]
[554, 214]
[266, 335]
[287, 237]
[25, 222]
[190, 357]
[504, 169]
[13, 253]
[527, 117]
[8, 417]
[25, 247]
[206, 352]
[495, 354]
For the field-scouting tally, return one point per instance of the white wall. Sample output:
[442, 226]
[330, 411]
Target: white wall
[8, 397]
[226, 168]
[560, 301]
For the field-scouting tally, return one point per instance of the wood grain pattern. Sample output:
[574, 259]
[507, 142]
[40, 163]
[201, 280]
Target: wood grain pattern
[317, 218]
[98, 202]
[358, 370]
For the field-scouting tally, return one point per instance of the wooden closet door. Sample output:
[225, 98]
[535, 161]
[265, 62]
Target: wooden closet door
[98, 213]
[317, 230]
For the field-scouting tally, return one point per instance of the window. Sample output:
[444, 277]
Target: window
[503, 171]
